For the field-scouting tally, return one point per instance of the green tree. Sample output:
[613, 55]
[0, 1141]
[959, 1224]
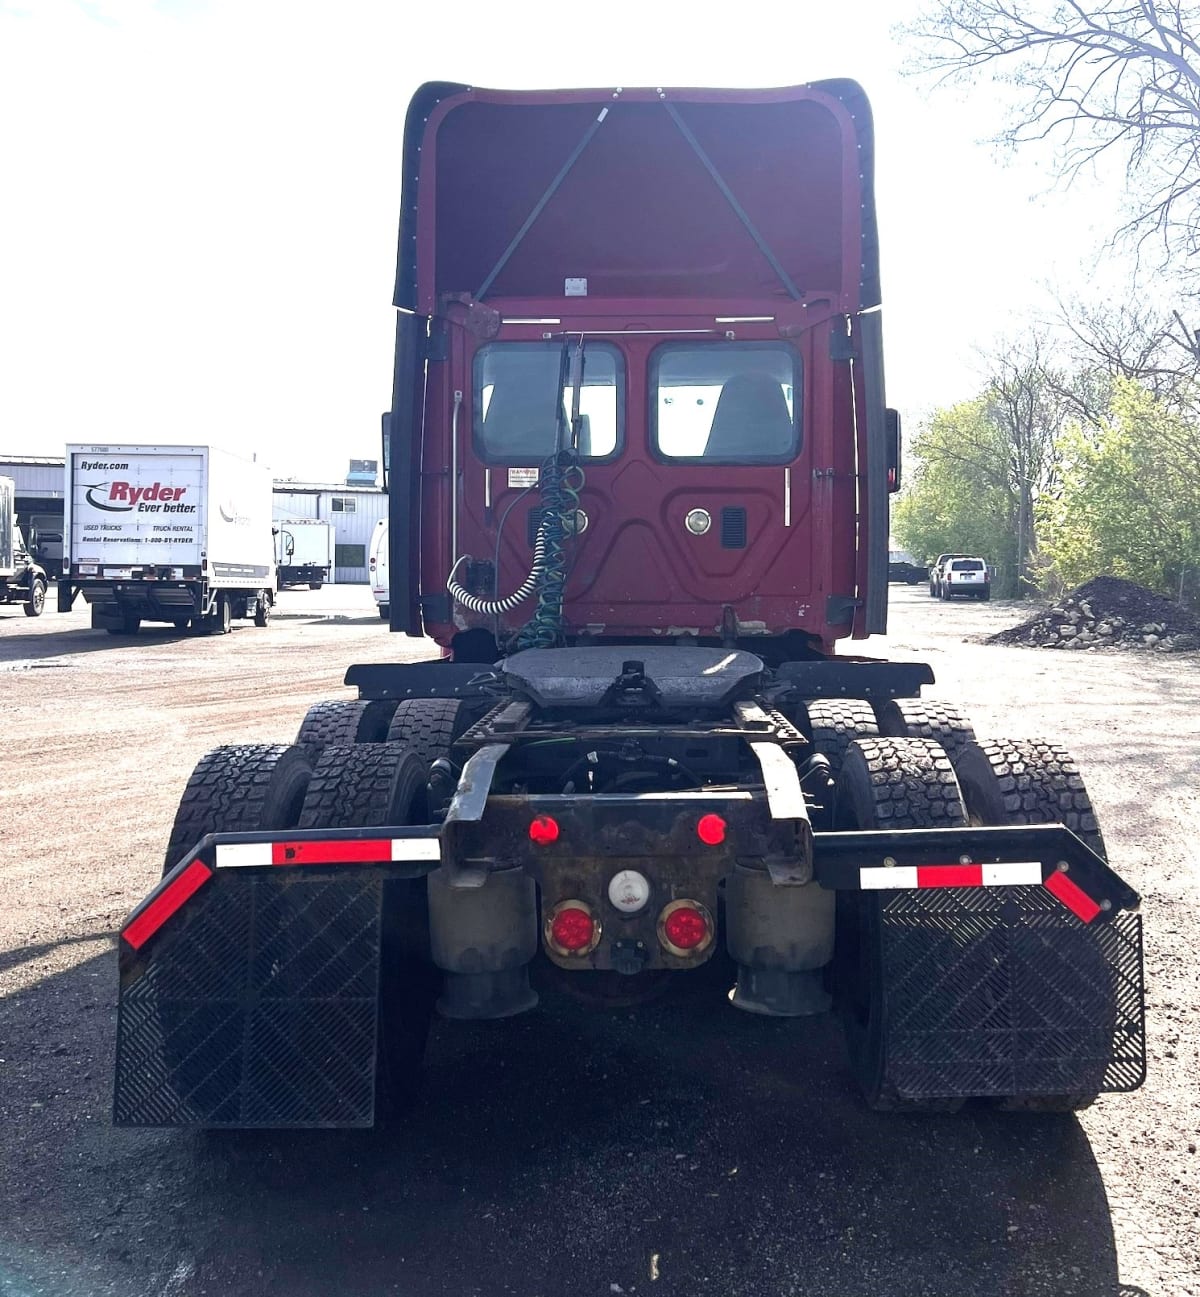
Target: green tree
[959, 496]
[1128, 501]
[984, 464]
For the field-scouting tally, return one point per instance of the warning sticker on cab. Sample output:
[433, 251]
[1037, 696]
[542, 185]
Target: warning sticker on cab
[523, 476]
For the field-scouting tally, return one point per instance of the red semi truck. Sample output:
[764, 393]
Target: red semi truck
[640, 462]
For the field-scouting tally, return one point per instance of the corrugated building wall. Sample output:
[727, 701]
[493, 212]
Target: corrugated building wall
[353, 510]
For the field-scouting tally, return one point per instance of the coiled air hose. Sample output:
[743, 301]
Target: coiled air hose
[494, 607]
[560, 483]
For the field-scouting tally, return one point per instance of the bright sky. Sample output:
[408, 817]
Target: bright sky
[199, 199]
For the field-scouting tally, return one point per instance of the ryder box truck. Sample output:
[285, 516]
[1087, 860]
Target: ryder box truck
[177, 534]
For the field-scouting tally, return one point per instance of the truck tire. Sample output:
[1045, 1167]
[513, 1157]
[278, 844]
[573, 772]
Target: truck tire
[262, 611]
[35, 605]
[919, 718]
[217, 622]
[428, 726]
[345, 721]
[1027, 781]
[384, 611]
[315, 585]
[892, 783]
[130, 625]
[377, 785]
[834, 723]
[240, 788]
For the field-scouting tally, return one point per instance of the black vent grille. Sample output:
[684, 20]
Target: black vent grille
[733, 527]
[533, 520]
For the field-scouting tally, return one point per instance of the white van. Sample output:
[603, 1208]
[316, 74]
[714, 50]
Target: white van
[377, 568]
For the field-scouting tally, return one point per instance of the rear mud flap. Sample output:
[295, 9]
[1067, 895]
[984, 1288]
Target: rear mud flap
[1005, 993]
[256, 1005]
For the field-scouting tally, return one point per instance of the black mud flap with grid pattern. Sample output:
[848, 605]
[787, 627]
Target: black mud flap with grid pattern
[255, 1006]
[1005, 993]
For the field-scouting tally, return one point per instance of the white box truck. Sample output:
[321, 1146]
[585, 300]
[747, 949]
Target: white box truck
[22, 580]
[178, 534]
[304, 551]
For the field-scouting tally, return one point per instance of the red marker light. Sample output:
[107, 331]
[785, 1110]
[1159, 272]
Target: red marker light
[543, 830]
[572, 930]
[685, 927]
[711, 830]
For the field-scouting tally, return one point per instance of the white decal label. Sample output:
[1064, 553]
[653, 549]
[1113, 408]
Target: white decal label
[575, 288]
[523, 476]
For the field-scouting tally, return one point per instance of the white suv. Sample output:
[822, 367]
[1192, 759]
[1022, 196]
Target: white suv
[966, 576]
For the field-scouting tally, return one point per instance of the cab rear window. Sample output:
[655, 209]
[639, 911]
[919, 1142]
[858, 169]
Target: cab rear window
[967, 565]
[726, 402]
[514, 418]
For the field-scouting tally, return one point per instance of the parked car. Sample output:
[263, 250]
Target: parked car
[903, 567]
[935, 573]
[966, 576]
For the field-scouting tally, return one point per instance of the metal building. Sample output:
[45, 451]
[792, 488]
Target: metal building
[40, 481]
[353, 510]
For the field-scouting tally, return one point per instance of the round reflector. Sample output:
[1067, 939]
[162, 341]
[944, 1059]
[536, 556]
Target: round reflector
[711, 830]
[543, 830]
[571, 930]
[685, 927]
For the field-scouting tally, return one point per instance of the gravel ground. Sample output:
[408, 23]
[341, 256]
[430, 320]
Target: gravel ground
[677, 1148]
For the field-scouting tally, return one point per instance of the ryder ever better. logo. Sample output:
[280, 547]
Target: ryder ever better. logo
[124, 497]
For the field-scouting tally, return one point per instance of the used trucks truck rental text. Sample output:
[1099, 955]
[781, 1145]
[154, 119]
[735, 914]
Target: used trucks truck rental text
[176, 534]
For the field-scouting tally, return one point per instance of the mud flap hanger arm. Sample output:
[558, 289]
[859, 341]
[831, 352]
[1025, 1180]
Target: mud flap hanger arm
[1049, 854]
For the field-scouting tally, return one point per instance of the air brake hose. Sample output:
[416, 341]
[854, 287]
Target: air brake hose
[559, 490]
[494, 607]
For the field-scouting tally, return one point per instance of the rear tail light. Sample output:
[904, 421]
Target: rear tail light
[711, 830]
[543, 830]
[685, 927]
[571, 929]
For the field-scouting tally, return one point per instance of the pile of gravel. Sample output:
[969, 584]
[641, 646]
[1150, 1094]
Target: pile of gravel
[1108, 612]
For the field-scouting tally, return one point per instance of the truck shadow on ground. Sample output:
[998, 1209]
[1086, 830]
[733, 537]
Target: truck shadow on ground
[680, 1147]
[16, 650]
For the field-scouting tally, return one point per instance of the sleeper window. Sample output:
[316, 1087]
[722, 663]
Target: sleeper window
[515, 421]
[726, 402]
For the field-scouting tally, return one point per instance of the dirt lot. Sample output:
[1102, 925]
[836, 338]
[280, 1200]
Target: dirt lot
[678, 1148]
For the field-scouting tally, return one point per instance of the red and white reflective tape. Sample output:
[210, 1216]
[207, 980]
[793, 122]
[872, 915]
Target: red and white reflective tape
[1023, 873]
[140, 929]
[337, 851]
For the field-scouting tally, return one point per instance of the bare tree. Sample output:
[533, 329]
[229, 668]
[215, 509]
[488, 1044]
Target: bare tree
[1028, 406]
[1118, 77]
